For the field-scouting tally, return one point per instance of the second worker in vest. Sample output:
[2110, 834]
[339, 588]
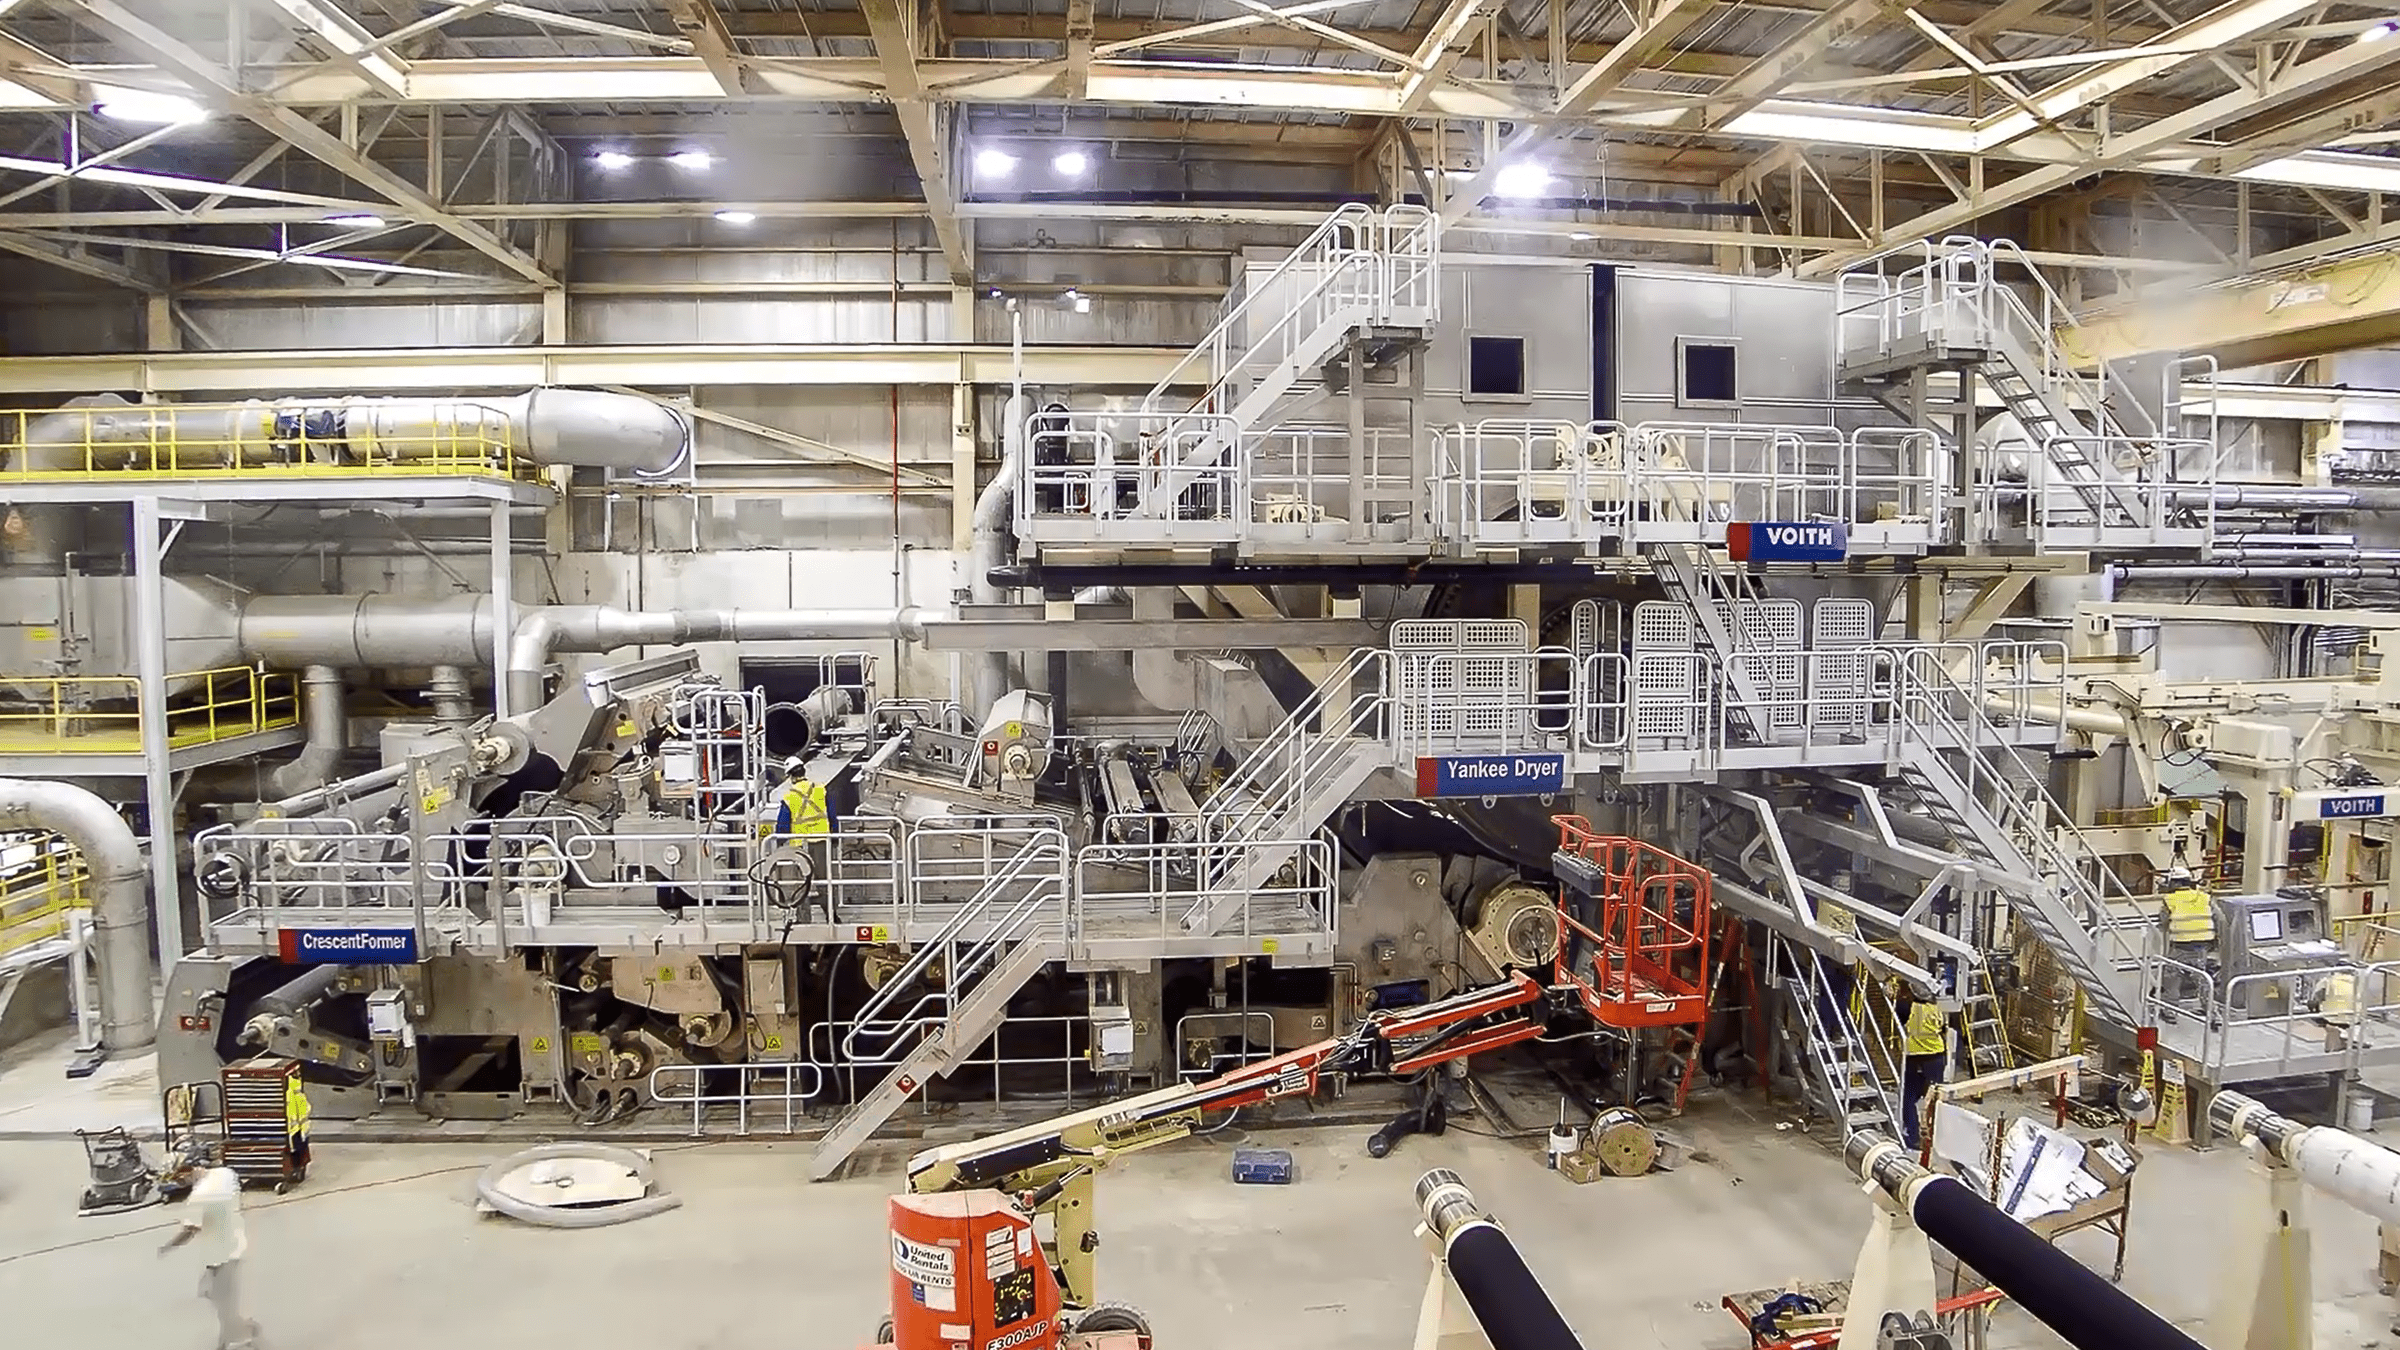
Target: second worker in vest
[1925, 1048]
[800, 808]
[2191, 928]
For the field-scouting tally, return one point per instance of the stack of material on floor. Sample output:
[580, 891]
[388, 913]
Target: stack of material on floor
[1262, 1166]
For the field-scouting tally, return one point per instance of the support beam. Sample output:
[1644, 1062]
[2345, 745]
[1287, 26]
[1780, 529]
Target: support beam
[72, 258]
[921, 122]
[703, 26]
[2220, 28]
[343, 38]
[1661, 25]
[1767, 77]
[1439, 53]
[2302, 81]
[1079, 49]
[206, 75]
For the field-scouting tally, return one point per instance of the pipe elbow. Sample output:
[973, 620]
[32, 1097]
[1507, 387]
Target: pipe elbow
[529, 651]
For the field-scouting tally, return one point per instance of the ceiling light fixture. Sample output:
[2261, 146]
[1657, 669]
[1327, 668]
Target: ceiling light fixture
[360, 221]
[737, 217]
[993, 163]
[1071, 163]
[1083, 304]
[142, 105]
[1521, 180]
[612, 159]
[691, 159]
[2379, 32]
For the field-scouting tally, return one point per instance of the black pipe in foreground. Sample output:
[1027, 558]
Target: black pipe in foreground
[1509, 1303]
[2061, 1292]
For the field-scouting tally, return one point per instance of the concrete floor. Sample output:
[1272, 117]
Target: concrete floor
[382, 1250]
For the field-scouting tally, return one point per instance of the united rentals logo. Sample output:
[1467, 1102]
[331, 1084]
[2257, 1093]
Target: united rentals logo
[348, 946]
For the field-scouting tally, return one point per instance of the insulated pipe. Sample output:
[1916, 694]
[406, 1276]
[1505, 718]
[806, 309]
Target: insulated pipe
[358, 632]
[317, 798]
[328, 733]
[448, 692]
[2237, 572]
[2360, 1173]
[598, 628]
[2090, 721]
[120, 909]
[2061, 1292]
[987, 552]
[1509, 1303]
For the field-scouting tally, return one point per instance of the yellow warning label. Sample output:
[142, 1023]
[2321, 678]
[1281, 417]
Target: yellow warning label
[586, 1043]
[626, 728]
[434, 801]
[881, 932]
[1269, 945]
[666, 974]
[1013, 729]
[41, 635]
[537, 1045]
[774, 1045]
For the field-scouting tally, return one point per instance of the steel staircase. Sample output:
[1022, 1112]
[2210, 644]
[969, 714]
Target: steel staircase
[1724, 604]
[1846, 1086]
[1021, 909]
[1362, 270]
[1993, 803]
[1254, 823]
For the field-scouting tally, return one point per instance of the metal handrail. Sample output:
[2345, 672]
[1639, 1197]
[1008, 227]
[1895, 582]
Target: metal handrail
[1047, 847]
[36, 900]
[286, 439]
[229, 701]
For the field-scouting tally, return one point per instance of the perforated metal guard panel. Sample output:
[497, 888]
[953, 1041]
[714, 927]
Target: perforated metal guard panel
[1771, 627]
[1484, 635]
[1461, 700]
[1662, 626]
[1838, 689]
[1665, 698]
[1584, 637]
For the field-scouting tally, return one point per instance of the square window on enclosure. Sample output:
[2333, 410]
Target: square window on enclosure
[1708, 372]
[1496, 367]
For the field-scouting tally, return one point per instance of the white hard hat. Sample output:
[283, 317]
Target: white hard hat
[795, 767]
[2179, 873]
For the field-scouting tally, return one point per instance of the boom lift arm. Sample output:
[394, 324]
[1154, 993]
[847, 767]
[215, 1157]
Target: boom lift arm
[1049, 1167]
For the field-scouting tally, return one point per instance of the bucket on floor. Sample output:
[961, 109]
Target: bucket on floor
[2360, 1116]
[1562, 1143]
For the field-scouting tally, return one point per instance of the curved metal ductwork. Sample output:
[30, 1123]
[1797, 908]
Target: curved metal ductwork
[120, 906]
[597, 628]
[987, 551]
[328, 734]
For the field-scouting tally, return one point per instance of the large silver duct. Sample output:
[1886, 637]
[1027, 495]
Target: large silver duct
[598, 628]
[995, 510]
[2324, 571]
[357, 632]
[120, 907]
[328, 734]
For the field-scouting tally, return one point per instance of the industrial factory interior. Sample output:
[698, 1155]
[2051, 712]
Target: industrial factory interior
[1188, 674]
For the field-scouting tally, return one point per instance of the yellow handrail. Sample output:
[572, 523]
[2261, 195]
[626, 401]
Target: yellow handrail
[291, 439]
[34, 901]
[94, 714]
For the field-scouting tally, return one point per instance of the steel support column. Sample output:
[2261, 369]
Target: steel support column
[504, 608]
[150, 669]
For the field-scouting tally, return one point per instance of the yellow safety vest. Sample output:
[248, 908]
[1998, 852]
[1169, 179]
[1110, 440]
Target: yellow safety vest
[2190, 918]
[295, 1105]
[804, 802]
[1925, 1030]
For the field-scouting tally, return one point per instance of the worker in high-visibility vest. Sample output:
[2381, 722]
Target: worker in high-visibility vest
[801, 808]
[1925, 1058]
[295, 1116]
[2190, 918]
[2336, 1002]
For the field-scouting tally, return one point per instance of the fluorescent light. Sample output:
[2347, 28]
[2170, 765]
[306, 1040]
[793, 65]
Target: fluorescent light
[142, 105]
[1083, 304]
[2379, 32]
[1583, 236]
[1521, 180]
[691, 159]
[1460, 174]
[991, 163]
[737, 217]
[1071, 163]
[358, 222]
[612, 159]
